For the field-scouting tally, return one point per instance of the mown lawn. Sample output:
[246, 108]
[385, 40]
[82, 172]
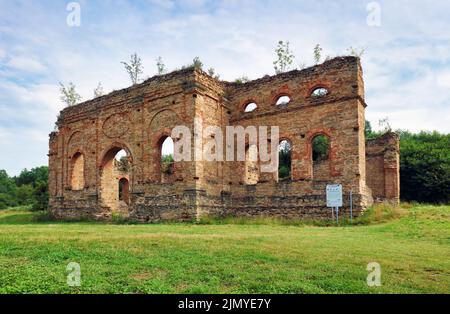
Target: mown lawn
[413, 251]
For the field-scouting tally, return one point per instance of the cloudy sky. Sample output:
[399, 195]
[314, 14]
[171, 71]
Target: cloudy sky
[406, 61]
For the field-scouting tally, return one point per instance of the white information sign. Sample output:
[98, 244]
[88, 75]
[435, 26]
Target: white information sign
[334, 195]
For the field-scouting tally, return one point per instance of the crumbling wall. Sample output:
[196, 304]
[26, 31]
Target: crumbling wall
[139, 118]
[383, 167]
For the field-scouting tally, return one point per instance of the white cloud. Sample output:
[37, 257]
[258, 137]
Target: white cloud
[26, 64]
[443, 79]
[406, 65]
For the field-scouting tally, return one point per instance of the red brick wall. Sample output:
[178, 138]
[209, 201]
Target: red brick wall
[140, 117]
[383, 166]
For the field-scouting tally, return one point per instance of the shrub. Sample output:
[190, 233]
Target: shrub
[40, 196]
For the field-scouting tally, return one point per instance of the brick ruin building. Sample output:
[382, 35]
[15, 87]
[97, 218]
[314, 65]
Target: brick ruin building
[324, 100]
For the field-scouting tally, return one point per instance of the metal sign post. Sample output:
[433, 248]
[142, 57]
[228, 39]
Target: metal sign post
[334, 198]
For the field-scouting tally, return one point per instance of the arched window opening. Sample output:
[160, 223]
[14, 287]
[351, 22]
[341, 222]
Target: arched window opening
[320, 148]
[77, 178]
[251, 165]
[167, 160]
[285, 160]
[250, 107]
[283, 100]
[319, 92]
[121, 161]
[124, 191]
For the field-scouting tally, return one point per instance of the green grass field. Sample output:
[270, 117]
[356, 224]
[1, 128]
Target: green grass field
[238, 256]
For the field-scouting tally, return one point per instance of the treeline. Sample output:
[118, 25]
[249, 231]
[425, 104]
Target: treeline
[28, 188]
[425, 167]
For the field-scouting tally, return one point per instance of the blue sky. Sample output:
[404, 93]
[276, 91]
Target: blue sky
[406, 63]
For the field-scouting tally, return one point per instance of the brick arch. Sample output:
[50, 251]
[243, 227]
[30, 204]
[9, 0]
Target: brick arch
[331, 148]
[315, 86]
[73, 135]
[321, 131]
[112, 150]
[316, 132]
[74, 143]
[159, 138]
[248, 101]
[280, 92]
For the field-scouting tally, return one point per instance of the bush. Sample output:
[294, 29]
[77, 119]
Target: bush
[25, 194]
[40, 196]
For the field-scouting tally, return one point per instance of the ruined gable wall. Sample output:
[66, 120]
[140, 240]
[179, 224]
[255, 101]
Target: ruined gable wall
[383, 167]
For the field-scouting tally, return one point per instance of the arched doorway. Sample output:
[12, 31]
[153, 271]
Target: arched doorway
[115, 177]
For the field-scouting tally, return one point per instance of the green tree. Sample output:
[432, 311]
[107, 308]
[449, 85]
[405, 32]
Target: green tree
[212, 73]
[134, 68]
[285, 160]
[98, 91]
[197, 63]
[356, 52]
[69, 95]
[285, 58]
[32, 176]
[25, 194]
[317, 53]
[7, 191]
[167, 162]
[161, 66]
[40, 196]
[241, 80]
[425, 167]
[320, 147]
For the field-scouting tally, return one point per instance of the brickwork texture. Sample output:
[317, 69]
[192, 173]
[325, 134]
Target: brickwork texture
[84, 181]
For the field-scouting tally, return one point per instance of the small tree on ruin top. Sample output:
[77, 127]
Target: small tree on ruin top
[134, 68]
[69, 96]
[285, 58]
